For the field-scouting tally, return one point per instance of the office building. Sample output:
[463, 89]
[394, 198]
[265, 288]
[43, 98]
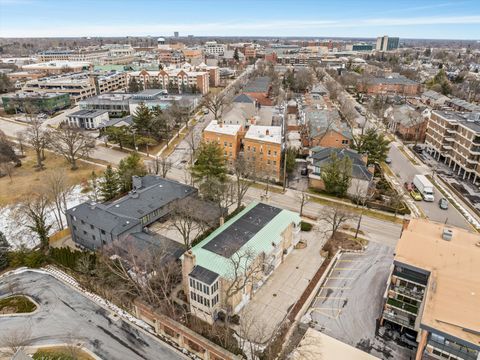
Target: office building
[213, 48]
[87, 119]
[433, 291]
[259, 238]
[386, 43]
[454, 138]
[38, 102]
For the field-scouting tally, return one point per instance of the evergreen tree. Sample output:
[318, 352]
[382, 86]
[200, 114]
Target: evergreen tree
[109, 187]
[236, 56]
[130, 166]
[336, 175]
[142, 119]
[210, 170]
[373, 144]
[133, 86]
[4, 248]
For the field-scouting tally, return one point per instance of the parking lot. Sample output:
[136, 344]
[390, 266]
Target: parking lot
[349, 302]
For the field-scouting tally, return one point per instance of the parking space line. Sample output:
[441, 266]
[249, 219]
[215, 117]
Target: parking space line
[336, 288]
[321, 311]
[331, 298]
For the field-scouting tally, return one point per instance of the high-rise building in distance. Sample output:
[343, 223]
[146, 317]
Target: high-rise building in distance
[386, 43]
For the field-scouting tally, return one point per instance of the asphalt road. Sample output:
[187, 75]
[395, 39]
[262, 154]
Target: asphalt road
[405, 170]
[350, 301]
[65, 314]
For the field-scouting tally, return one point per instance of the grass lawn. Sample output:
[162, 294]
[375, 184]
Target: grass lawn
[26, 178]
[61, 353]
[16, 305]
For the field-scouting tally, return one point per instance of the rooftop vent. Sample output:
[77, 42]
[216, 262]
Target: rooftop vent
[447, 234]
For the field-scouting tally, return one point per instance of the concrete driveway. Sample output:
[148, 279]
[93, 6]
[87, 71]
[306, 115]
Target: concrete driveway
[65, 314]
[283, 288]
[350, 301]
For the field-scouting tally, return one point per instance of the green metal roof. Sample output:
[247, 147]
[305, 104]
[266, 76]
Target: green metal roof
[260, 242]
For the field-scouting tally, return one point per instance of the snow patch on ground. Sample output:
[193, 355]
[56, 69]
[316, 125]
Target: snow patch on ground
[17, 232]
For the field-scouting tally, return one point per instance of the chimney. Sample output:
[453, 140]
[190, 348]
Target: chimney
[447, 234]
[222, 220]
[267, 132]
[364, 158]
[136, 182]
[371, 169]
[188, 264]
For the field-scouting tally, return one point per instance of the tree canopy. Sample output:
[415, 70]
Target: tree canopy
[372, 143]
[336, 175]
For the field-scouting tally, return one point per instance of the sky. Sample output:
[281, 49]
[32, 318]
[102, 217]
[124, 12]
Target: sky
[427, 19]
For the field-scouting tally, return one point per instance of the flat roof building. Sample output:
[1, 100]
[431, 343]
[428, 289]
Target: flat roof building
[434, 290]
[87, 119]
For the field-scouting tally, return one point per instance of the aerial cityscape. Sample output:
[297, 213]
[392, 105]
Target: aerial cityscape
[258, 180]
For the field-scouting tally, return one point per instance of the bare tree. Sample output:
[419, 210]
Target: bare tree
[187, 221]
[58, 189]
[149, 273]
[7, 169]
[15, 340]
[244, 175]
[21, 141]
[215, 103]
[304, 199]
[72, 144]
[334, 218]
[161, 165]
[37, 138]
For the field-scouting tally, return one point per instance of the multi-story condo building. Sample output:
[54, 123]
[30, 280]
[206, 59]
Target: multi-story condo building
[213, 48]
[255, 242]
[433, 291]
[108, 82]
[228, 136]
[178, 79]
[93, 225]
[454, 138]
[386, 43]
[263, 147]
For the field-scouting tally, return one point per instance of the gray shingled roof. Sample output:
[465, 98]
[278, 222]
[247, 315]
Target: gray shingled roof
[257, 85]
[243, 98]
[321, 120]
[402, 80]
[155, 244]
[204, 275]
[322, 156]
[126, 212]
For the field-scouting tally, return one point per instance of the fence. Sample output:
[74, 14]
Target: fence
[181, 336]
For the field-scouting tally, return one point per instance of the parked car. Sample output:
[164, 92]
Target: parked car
[418, 149]
[388, 160]
[408, 186]
[416, 195]
[443, 204]
[205, 111]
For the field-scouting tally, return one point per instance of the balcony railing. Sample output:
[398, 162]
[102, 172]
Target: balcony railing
[416, 294]
[403, 306]
[399, 319]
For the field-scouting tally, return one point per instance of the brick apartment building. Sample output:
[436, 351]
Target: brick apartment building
[262, 146]
[181, 80]
[324, 128]
[228, 136]
[454, 138]
[433, 290]
[390, 85]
